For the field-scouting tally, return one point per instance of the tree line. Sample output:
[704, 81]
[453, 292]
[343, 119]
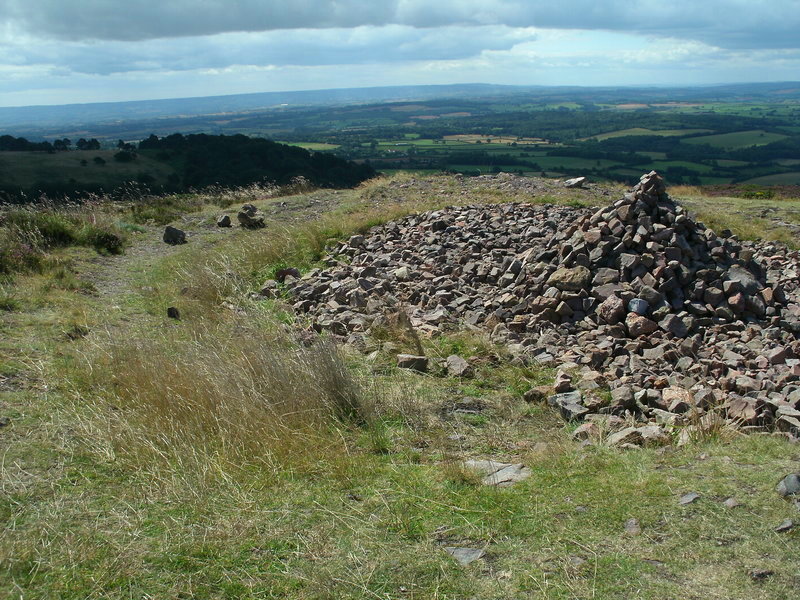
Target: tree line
[9, 143]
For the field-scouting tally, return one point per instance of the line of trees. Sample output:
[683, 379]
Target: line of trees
[9, 143]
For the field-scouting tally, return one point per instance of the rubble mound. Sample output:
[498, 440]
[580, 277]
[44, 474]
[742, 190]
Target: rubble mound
[674, 318]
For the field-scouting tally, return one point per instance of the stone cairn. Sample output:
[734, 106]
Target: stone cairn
[637, 298]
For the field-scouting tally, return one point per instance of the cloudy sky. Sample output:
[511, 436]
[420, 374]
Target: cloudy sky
[64, 51]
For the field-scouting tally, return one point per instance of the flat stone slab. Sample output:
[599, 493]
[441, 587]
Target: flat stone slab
[464, 556]
[498, 473]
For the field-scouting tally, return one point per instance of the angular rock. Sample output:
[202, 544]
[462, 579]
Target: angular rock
[458, 367]
[638, 325]
[412, 362]
[575, 182]
[570, 280]
[612, 310]
[627, 436]
[174, 236]
[789, 485]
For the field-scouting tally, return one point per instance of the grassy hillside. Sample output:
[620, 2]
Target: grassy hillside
[222, 456]
[29, 170]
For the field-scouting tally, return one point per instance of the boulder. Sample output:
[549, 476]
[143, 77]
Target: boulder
[174, 236]
[575, 182]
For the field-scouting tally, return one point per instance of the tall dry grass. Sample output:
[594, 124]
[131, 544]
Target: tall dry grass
[233, 395]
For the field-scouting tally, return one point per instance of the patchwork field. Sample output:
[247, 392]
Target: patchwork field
[739, 139]
[645, 131]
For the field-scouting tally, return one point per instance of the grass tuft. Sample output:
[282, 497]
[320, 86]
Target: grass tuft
[234, 395]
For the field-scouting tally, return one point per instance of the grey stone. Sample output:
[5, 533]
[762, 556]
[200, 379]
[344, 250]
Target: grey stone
[464, 556]
[632, 527]
[689, 498]
[640, 306]
[785, 526]
[745, 278]
[174, 236]
[575, 182]
[250, 218]
[789, 485]
[499, 474]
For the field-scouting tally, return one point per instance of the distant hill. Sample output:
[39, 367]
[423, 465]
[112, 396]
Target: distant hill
[41, 120]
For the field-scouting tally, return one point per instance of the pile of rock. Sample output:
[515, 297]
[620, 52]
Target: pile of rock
[636, 297]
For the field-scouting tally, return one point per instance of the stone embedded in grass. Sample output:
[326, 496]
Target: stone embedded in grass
[224, 221]
[538, 393]
[464, 556]
[174, 236]
[689, 498]
[789, 485]
[173, 313]
[499, 474]
[760, 574]
[632, 527]
[569, 404]
[787, 525]
[731, 503]
[412, 362]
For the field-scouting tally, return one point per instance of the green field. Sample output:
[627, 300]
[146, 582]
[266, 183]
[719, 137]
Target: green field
[733, 163]
[662, 165]
[778, 179]
[645, 131]
[314, 146]
[738, 139]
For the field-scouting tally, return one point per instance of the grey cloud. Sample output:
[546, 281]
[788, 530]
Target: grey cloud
[725, 23]
[362, 45]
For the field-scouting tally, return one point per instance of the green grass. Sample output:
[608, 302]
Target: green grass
[744, 216]
[739, 139]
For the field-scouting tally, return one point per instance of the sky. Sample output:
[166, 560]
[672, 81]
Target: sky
[78, 51]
